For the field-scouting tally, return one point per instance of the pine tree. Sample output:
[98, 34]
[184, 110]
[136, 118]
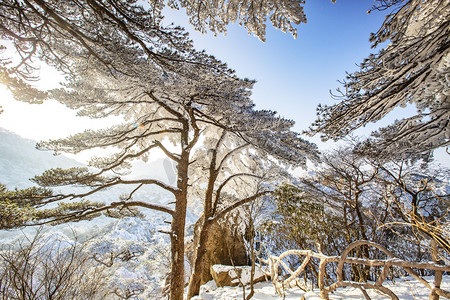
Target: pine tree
[119, 60]
[183, 106]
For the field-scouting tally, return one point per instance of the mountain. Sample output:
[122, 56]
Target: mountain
[20, 160]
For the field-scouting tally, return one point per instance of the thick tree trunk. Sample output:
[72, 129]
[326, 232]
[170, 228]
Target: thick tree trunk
[199, 254]
[201, 246]
[177, 231]
[177, 239]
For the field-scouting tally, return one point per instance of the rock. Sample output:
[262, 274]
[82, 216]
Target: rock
[238, 275]
[225, 246]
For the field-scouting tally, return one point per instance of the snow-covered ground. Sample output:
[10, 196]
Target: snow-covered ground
[406, 288]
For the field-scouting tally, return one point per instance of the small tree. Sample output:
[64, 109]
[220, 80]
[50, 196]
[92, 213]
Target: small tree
[253, 214]
[342, 185]
[301, 221]
[47, 268]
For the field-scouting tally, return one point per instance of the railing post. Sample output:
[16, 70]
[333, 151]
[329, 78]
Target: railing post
[437, 274]
[321, 281]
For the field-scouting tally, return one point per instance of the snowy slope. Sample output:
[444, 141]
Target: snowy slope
[20, 161]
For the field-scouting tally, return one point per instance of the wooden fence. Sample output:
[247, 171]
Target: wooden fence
[276, 266]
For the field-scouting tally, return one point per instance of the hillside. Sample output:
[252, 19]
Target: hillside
[20, 160]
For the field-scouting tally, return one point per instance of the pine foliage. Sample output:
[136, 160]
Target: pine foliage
[412, 69]
[56, 31]
[28, 207]
[216, 15]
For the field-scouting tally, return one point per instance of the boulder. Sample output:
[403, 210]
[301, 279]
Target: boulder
[225, 246]
[236, 275]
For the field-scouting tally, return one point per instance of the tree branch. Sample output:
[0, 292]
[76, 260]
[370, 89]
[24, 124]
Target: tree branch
[228, 209]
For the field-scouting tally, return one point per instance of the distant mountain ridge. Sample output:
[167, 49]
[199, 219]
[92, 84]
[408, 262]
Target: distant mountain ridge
[20, 160]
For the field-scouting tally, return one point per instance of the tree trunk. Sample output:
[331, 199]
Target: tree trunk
[201, 246]
[199, 254]
[177, 230]
[253, 256]
[177, 239]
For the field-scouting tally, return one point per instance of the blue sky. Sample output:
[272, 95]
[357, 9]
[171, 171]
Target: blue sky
[294, 75]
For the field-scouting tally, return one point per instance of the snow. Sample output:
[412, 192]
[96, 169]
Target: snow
[20, 161]
[406, 288]
[245, 272]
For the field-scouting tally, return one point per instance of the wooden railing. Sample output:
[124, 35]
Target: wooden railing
[276, 265]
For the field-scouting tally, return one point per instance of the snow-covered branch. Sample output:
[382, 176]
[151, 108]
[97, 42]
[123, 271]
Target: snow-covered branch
[413, 68]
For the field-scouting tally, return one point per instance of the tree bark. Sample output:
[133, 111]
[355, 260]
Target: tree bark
[177, 230]
[200, 248]
[199, 254]
[177, 247]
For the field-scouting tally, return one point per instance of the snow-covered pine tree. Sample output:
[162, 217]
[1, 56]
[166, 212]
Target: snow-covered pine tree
[413, 69]
[182, 106]
[59, 32]
[119, 60]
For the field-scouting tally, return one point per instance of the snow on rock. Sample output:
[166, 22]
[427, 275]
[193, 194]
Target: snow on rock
[235, 275]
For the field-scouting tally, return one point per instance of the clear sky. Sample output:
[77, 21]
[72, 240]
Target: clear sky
[293, 75]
